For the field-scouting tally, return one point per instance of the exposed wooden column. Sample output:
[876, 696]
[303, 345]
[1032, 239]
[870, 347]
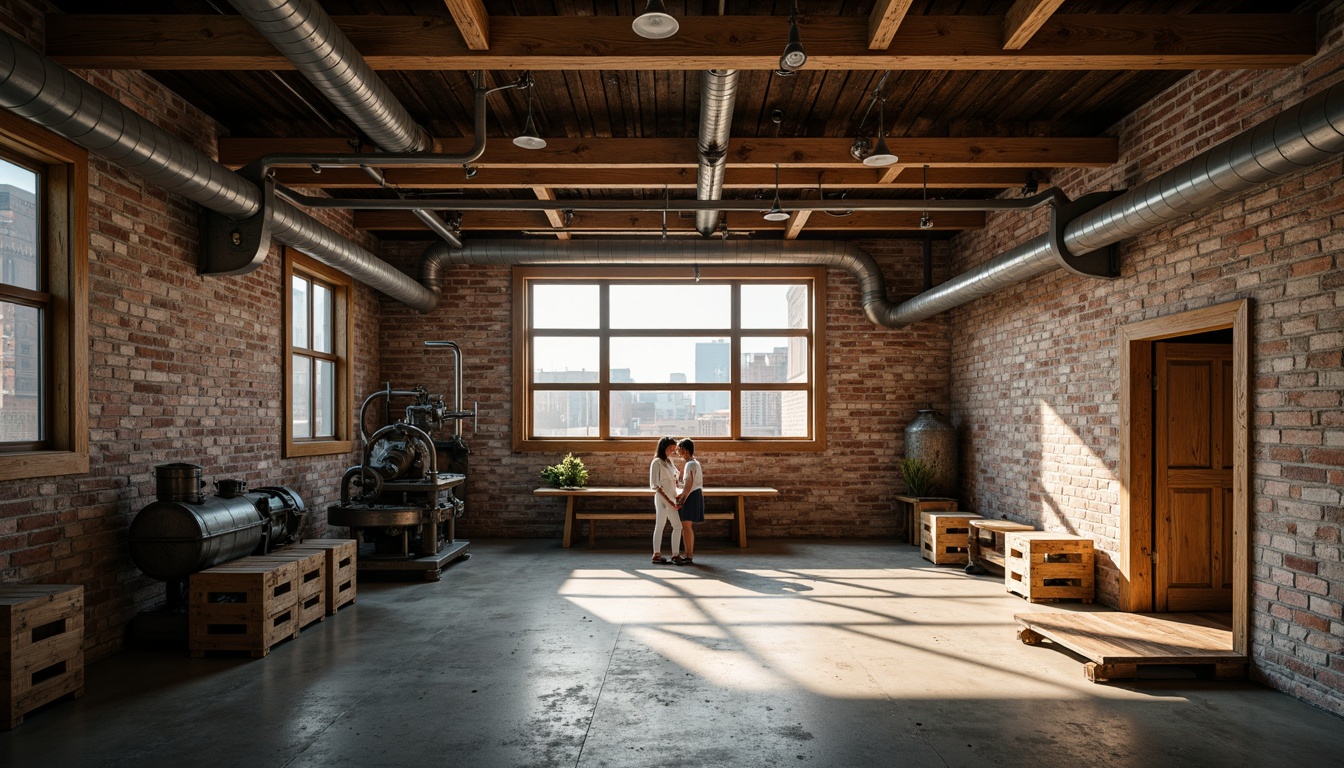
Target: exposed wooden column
[472, 21]
[1024, 19]
[883, 22]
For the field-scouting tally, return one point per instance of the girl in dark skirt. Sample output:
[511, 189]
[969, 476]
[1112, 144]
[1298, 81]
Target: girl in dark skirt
[691, 500]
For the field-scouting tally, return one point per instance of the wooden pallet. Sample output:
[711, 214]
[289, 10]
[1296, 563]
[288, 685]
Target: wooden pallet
[312, 582]
[342, 561]
[246, 605]
[42, 659]
[1119, 645]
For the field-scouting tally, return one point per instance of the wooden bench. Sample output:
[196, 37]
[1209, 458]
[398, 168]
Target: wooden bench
[572, 495]
[984, 550]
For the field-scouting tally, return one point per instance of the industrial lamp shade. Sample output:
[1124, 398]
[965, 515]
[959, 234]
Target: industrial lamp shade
[776, 213]
[529, 139]
[881, 156]
[794, 56]
[655, 23]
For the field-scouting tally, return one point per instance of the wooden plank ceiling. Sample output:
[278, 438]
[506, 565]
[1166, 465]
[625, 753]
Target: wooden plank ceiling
[979, 96]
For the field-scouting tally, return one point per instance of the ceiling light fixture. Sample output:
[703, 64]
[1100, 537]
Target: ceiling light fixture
[861, 147]
[925, 221]
[776, 213]
[794, 56]
[529, 139]
[881, 156]
[470, 170]
[1032, 186]
[655, 23]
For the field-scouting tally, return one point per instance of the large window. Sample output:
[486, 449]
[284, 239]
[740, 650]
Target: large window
[43, 303]
[609, 358]
[318, 336]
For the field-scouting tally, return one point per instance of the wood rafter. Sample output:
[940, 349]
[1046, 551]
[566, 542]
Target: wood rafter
[652, 221]
[813, 153]
[1024, 19]
[472, 21]
[796, 223]
[1064, 42]
[556, 218]
[577, 177]
[883, 22]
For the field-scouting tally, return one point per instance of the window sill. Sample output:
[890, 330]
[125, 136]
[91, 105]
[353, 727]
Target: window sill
[321, 448]
[645, 445]
[32, 464]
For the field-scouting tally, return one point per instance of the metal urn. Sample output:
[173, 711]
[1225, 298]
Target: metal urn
[931, 439]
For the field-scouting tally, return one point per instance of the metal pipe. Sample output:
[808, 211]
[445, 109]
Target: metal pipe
[833, 254]
[310, 39]
[38, 89]
[718, 91]
[307, 36]
[457, 379]
[1297, 138]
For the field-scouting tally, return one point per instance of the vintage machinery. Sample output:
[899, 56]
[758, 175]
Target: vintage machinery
[185, 531]
[399, 502]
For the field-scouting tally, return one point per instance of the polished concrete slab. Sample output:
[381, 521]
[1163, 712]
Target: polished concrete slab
[787, 653]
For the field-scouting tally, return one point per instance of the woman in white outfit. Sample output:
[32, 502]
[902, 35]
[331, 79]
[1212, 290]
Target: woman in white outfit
[663, 481]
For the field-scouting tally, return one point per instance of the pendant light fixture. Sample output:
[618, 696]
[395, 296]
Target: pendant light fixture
[881, 156]
[529, 139]
[655, 23]
[776, 213]
[794, 57]
[925, 221]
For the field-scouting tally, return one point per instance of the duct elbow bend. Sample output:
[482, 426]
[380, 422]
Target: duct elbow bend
[432, 263]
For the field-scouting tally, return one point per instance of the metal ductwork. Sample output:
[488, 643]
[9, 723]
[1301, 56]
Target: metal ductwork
[34, 87]
[833, 254]
[718, 91]
[1296, 139]
[304, 33]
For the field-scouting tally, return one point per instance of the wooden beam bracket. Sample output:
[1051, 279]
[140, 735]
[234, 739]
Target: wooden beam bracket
[1103, 262]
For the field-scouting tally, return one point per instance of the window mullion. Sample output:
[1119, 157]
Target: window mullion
[604, 361]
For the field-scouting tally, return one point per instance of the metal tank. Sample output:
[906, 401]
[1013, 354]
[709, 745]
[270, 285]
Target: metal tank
[185, 531]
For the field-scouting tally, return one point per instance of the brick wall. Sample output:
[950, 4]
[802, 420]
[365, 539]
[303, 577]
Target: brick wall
[182, 368]
[1035, 367]
[877, 379]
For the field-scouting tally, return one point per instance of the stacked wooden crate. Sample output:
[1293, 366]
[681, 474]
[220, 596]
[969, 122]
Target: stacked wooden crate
[342, 559]
[43, 656]
[312, 582]
[1045, 565]
[945, 536]
[245, 605]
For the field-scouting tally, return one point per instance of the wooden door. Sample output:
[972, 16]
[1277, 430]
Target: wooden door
[1192, 532]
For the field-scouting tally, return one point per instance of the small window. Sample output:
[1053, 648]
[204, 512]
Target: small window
[608, 358]
[317, 360]
[43, 303]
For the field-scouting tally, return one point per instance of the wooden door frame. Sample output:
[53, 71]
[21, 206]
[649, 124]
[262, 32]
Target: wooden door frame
[1136, 440]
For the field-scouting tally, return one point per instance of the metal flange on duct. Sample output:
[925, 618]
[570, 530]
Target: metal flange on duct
[1103, 262]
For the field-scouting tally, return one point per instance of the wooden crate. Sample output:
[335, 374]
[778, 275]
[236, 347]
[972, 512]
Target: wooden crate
[944, 536]
[249, 605]
[1044, 565]
[42, 659]
[342, 559]
[910, 509]
[312, 582]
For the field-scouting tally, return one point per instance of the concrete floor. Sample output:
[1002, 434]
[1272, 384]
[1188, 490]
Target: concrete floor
[788, 653]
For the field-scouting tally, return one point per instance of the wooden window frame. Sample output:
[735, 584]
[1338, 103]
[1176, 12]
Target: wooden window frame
[342, 290]
[523, 276]
[64, 233]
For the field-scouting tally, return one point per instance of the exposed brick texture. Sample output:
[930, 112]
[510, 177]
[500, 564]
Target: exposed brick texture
[877, 380]
[1035, 367]
[182, 368]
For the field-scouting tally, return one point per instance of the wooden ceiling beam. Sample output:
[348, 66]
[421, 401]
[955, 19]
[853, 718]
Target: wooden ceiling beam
[473, 21]
[813, 153]
[796, 223]
[883, 22]
[1064, 42]
[1025, 19]
[556, 218]
[579, 177]
[652, 221]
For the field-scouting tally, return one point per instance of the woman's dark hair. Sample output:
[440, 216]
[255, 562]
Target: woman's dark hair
[663, 445]
[687, 444]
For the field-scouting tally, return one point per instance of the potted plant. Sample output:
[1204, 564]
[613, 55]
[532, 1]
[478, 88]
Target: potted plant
[569, 473]
[918, 476]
